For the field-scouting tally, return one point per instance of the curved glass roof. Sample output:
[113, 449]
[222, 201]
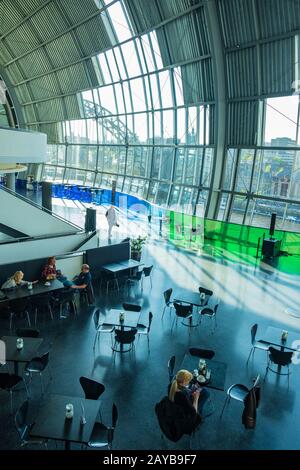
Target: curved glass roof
[171, 98]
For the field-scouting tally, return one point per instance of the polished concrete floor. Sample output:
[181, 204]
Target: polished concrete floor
[248, 294]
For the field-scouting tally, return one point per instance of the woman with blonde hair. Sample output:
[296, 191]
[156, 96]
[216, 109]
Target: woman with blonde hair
[191, 398]
[15, 281]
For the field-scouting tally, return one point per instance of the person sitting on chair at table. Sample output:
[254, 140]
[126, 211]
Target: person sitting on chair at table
[191, 399]
[16, 280]
[84, 279]
[50, 272]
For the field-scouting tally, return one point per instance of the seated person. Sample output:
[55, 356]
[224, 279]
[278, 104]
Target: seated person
[50, 272]
[16, 280]
[84, 279]
[191, 398]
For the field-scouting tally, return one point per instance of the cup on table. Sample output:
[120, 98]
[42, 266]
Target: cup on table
[202, 296]
[29, 285]
[20, 343]
[284, 335]
[69, 410]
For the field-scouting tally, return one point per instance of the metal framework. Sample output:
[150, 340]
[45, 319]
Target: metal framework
[168, 97]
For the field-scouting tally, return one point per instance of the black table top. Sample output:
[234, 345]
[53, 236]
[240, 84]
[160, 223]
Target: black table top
[272, 335]
[51, 421]
[113, 267]
[218, 370]
[130, 263]
[131, 319]
[39, 288]
[29, 350]
[191, 297]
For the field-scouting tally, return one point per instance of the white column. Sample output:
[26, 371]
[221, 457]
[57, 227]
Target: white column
[11, 181]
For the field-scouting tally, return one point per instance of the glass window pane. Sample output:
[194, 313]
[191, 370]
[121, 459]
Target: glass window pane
[178, 86]
[244, 171]
[166, 163]
[295, 179]
[104, 68]
[262, 211]
[292, 218]
[273, 172]
[181, 125]
[138, 95]
[148, 53]
[281, 121]
[130, 59]
[156, 50]
[229, 168]
[223, 206]
[92, 131]
[179, 164]
[207, 167]
[112, 65]
[48, 172]
[168, 126]
[140, 128]
[154, 90]
[165, 89]
[238, 209]
[107, 99]
[120, 22]
[162, 194]
[175, 192]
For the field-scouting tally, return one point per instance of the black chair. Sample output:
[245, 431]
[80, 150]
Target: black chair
[167, 299]
[281, 359]
[238, 392]
[67, 298]
[135, 279]
[203, 290]
[27, 332]
[92, 389]
[88, 294]
[256, 344]
[8, 382]
[100, 328]
[124, 337]
[37, 365]
[147, 273]
[171, 366]
[183, 310]
[24, 428]
[132, 307]
[102, 435]
[110, 280]
[210, 313]
[143, 329]
[203, 353]
[17, 307]
[41, 303]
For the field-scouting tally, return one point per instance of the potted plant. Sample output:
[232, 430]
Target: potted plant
[136, 245]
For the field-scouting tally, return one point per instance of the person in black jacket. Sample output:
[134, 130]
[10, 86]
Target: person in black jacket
[191, 399]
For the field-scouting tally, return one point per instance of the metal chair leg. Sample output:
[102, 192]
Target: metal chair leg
[224, 406]
[42, 386]
[95, 340]
[28, 319]
[251, 350]
[10, 320]
[11, 402]
[51, 313]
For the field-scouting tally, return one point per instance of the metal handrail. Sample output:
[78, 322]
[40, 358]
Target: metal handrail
[34, 204]
[41, 237]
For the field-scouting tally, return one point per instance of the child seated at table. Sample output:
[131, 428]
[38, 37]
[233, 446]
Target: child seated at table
[16, 280]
